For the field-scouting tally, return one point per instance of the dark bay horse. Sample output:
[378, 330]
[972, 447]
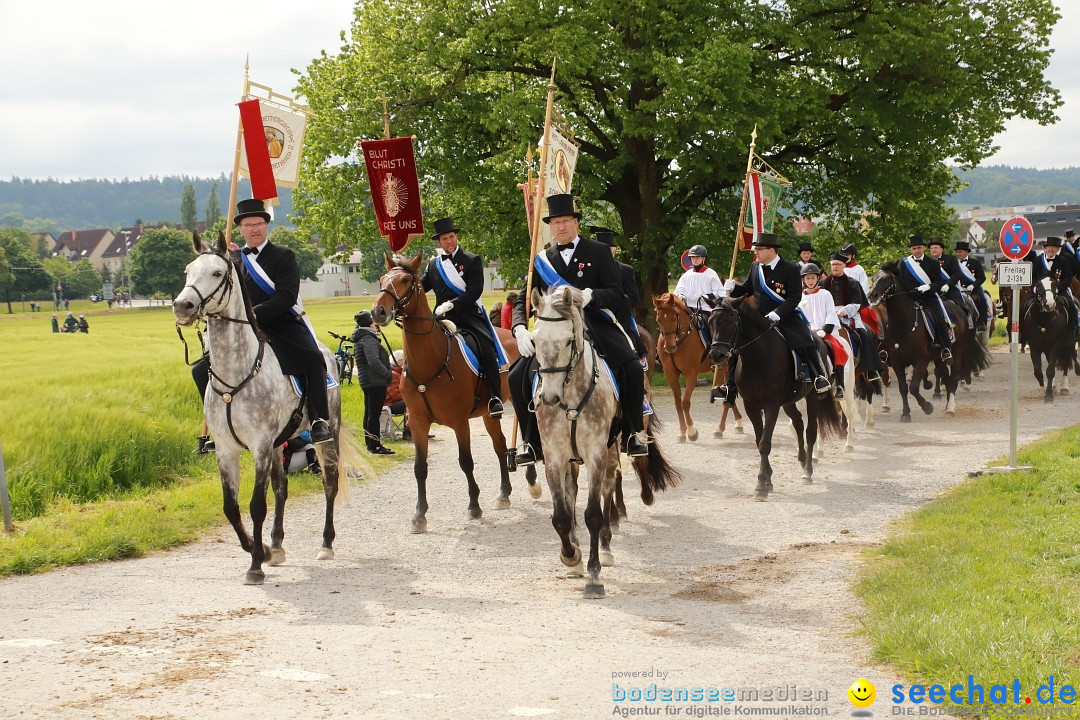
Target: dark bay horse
[765, 378]
[909, 343]
[1044, 322]
[438, 386]
[249, 404]
[683, 353]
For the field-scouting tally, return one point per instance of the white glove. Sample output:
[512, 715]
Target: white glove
[729, 285]
[586, 296]
[944, 288]
[968, 288]
[923, 288]
[524, 341]
[820, 333]
[444, 308]
[773, 318]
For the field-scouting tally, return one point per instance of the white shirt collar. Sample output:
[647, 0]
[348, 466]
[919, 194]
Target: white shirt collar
[772, 265]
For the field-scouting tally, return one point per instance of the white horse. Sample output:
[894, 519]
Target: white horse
[577, 417]
[251, 405]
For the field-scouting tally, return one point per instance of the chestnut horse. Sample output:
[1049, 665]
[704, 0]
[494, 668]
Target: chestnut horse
[682, 353]
[440, 386]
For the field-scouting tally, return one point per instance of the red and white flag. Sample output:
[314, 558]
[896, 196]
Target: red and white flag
[257, 152]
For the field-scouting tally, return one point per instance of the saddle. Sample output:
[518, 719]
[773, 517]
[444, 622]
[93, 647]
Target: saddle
[469, 344]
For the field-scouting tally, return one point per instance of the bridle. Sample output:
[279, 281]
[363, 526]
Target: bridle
[403, 301]
[731, 346]
[576, 355]
[677, 333]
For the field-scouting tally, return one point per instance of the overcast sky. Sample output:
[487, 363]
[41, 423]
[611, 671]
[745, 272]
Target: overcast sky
[133, 88]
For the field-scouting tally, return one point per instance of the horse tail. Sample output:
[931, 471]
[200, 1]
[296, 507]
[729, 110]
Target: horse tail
[654, 471]
[829, 424]
[865, 390]
[975, 358]
[350, 462]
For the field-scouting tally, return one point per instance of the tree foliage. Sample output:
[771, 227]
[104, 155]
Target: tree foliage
[862, 103]
[157, 263]
[213, 208]
[308, 255]
[20, 270]
[189, 218]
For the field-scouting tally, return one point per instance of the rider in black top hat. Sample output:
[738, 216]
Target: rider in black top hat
[921, 276]
[628, 281]
[586, 265]
[973, 285]
[457, 277]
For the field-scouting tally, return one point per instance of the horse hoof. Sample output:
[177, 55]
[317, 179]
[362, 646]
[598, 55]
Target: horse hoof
[254, 577]
[325, 554]
[593, 591]
[927, 385]
[277, 557]
[739, 429]
[502, 503]
[870, 424]
[950, 413]
[647, 495]
[613, 526]
[419, 525]
[692, 435]
[681, 439]
[475, 513]
[607, 559]
[572, 562]
[535, 491]
[886, 409]
[937, 396]
[849, 448]
[906, 418]
[927, 409]
[1048, 398]
[718, 434]
[1064, 391]
[761, 495]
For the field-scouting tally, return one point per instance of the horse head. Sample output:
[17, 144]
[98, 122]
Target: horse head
[670, 311]
[209, 280]
[400, 289]
[725, 325]
[884, 283]
[559, 339]
[1046, 291]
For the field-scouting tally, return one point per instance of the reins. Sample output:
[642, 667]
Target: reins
[572, 414]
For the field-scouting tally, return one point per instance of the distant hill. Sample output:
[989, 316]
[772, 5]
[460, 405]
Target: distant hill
[57, 206]
[1003, 186]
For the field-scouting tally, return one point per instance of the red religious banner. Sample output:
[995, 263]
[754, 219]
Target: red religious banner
[395, 190]
[261, 172]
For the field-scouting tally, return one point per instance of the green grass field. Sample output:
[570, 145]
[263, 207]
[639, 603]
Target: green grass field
[986, 580]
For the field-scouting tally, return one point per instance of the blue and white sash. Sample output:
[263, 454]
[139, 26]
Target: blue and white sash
[259, 276]
[552, 279]
[453, 280]
[912, 266]
[968, 275]
[775, 296]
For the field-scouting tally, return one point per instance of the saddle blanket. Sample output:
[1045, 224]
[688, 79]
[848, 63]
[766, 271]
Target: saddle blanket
[469, 352]
[646, 409]
[298, 387]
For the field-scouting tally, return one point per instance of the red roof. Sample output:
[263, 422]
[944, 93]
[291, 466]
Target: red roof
[81, 243]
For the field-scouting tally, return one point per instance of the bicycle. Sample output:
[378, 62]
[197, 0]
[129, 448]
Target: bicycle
[344, 354]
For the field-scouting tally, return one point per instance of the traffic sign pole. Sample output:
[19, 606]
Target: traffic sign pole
[1014, 332]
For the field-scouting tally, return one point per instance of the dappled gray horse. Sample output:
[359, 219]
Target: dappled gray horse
[251, 405]
[577, 417]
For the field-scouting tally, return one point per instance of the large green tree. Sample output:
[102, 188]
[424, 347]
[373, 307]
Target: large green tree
[213, 208]
[157, 262]
[21, 273]
[308, 255]
[862, 103]
[84, 280]
[189, 217]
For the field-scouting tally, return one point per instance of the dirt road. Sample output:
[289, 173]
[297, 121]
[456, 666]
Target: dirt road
[475, 619]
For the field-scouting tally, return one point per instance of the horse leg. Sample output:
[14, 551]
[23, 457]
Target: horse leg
[329, 455]
[1036, 365]
[1051, 372]
[688, 392]
[765, 486]
[797, 427]
[920, 374]
[672, 376]
[738, 419]
[901, 383]
[465, 462]
[594, 520]
[611, 512]
[229, 468]
[280, 484]
[419, 426]
[563, 502]
[494, 430]
[257, 510]
[938, 382]
[535, 491]
[812, 411]
[620, 503]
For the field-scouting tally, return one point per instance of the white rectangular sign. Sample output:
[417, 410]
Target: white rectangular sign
[1014, 273]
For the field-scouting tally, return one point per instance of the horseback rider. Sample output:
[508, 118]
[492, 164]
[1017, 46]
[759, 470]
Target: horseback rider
[921, 276]
[972, 281]
[628, 282]
[853, 269]
[951, 274]
[1068, 249]
[698, 282]
[1059, 267]
[271, 278]
[849, 299]
[820, 312]
[588, 266]
[806, 255]
[457, 277]
[775, 285]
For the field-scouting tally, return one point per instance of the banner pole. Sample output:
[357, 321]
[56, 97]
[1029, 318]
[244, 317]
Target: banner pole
[534, 229]
[742, 208]
[385, 118]
[236, 158]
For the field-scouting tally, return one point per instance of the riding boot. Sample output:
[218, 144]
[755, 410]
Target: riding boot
[632, 398]
[317, 403]
[490, 363]
[839, 373]
[521, 376]
[817, 366]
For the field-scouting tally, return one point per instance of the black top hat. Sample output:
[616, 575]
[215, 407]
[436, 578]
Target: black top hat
[804, 246]
[1069, 234]
[603, 235]
[963, 245]
[561, 206]
[915, 240]
[1052, 242]
[445, 225]
[250, 208]
[766, 240]
[936, 241]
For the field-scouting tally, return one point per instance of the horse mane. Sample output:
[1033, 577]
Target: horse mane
[400, 261]
[748, 310]
[249, 311]
[892, 267]
[562, 301]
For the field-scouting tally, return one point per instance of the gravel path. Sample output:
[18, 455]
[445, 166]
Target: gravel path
[476, 619]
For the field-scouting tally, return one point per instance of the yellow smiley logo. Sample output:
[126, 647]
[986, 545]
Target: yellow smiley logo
[862, 693]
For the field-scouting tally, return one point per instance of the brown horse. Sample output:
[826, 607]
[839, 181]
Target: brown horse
[439, 387]
[682, 353]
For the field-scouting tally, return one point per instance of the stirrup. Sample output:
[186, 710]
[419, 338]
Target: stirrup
[822, 384]
[528, 456]
[946, 355]
[635, 446]
[495, 408]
